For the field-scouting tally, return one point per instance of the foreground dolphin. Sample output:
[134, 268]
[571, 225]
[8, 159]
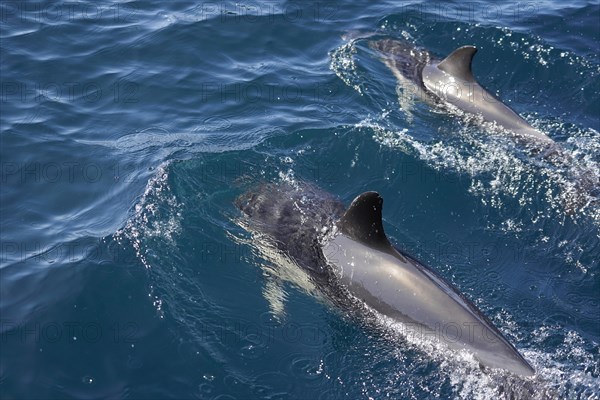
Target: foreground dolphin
[349, 253]
[451, 80]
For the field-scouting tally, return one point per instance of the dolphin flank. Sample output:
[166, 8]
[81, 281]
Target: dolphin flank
[347, 251]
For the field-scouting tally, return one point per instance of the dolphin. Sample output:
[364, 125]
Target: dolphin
[347, 253]
[451, 81]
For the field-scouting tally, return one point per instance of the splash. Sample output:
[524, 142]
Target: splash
[155, 223]
[156, 215]
[344, 66]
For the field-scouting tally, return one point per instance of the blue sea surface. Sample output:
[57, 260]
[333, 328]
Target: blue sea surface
[129, 128]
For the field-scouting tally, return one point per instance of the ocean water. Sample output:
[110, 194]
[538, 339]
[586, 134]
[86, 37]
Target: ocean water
[129, 128]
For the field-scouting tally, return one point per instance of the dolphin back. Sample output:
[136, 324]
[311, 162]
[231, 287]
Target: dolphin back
[349, 252]
[452, 81]
[400, 287]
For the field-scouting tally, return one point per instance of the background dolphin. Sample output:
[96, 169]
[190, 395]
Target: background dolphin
[451, 81]
[347, 253]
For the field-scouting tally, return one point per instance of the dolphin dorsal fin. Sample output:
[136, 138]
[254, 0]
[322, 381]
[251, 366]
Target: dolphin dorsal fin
[458, 63]
[362, 221]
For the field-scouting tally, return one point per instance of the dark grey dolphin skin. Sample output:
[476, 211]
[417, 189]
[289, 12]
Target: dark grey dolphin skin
[350, 251]
[451, 80]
